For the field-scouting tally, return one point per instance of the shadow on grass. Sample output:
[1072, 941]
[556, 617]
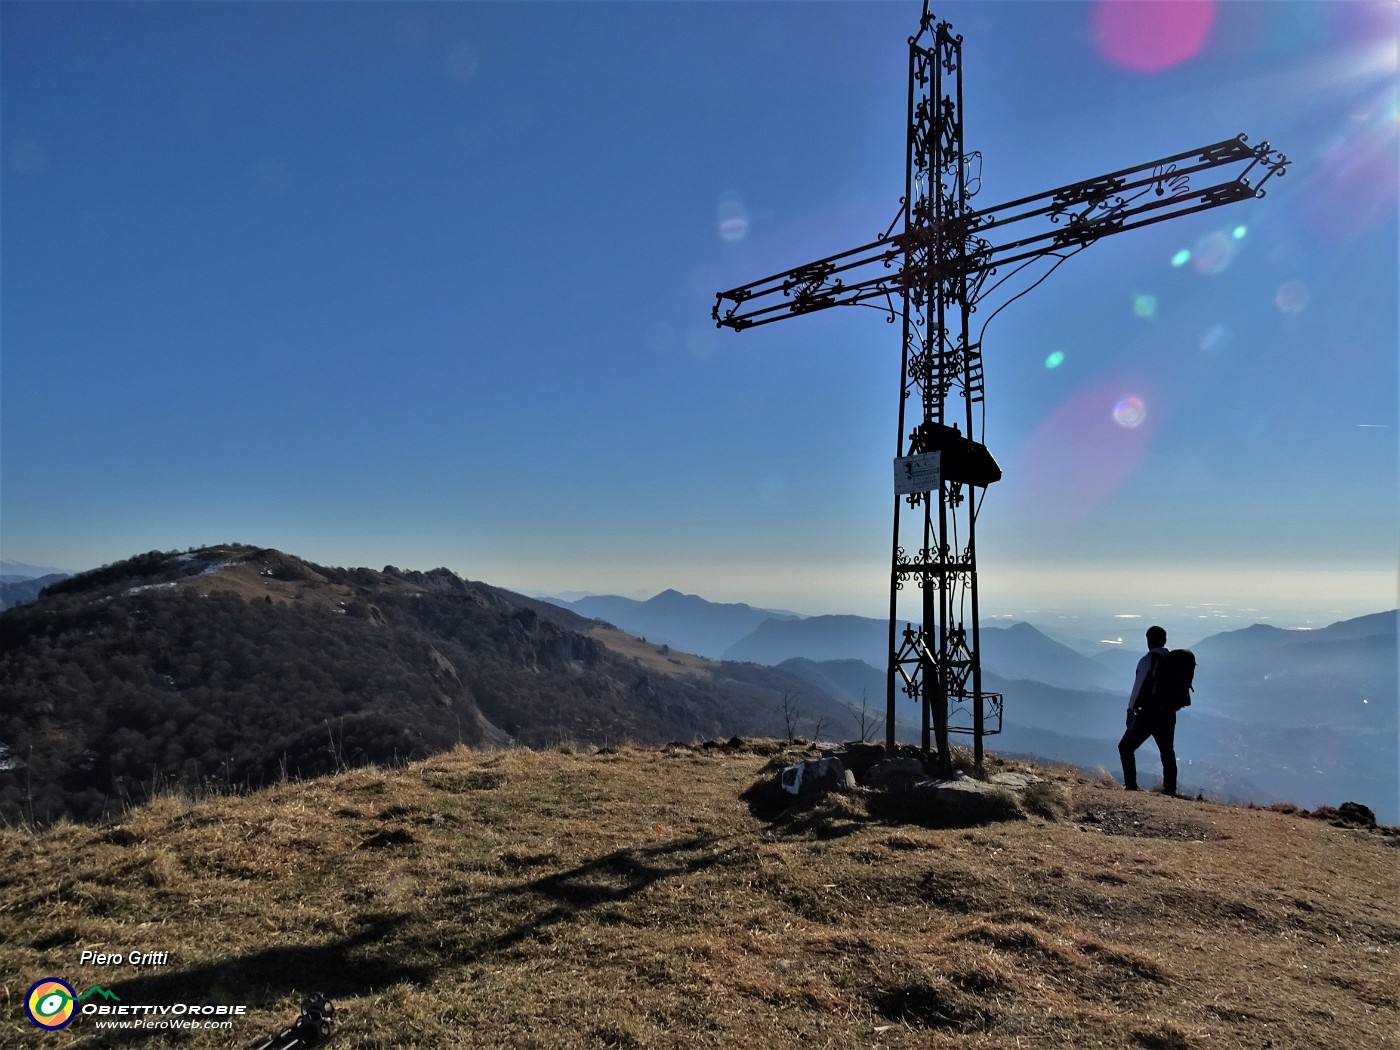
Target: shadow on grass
[612, 879]
[912, 808]
[411, 946]
[922, 1005]
[372, 956]
[766, 799]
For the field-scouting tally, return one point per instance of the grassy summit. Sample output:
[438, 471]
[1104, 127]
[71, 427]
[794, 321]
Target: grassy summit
[632, 898]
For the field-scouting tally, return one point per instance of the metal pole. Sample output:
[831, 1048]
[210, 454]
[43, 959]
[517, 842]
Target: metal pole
[891, 672]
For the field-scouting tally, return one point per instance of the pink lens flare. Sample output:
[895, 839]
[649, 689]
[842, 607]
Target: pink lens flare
[1130, 413]
[1148, 36]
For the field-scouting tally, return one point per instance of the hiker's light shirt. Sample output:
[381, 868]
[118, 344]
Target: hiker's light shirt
[1143, 667]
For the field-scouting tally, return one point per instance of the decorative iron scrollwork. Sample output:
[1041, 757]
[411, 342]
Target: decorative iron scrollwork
[805, 286]
[1228, 193]
[1163, 178]
[1092, 192]
[972, 183]
[1228, 150]
[949, 135]
[949, 47]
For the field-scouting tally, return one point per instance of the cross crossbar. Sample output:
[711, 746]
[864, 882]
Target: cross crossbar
[1077, 214]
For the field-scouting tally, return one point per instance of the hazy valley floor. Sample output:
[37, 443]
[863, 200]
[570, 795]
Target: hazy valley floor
[631, 898]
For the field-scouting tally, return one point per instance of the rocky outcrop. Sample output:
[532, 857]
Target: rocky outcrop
[806, 776]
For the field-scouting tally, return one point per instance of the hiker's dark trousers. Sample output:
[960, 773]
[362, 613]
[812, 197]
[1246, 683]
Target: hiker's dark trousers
[1161, 727]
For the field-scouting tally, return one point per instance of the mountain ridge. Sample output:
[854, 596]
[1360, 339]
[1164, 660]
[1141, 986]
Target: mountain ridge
[685, 621]
[247, 664]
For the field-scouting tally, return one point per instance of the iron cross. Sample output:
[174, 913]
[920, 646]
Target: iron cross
[939, 265]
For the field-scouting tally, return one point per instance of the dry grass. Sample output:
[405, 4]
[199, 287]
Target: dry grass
[654, 657]
[629, 898]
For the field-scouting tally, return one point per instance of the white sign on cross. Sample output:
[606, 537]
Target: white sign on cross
[920, 473]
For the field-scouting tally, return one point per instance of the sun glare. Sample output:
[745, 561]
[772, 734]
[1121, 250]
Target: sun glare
[1352, 87]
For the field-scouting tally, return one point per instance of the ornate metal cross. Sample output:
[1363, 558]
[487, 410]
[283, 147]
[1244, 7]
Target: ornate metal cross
[939, 266]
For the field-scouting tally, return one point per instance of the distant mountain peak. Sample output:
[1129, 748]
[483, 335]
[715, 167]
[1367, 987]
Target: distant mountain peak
[1023, 627]
[21, 570]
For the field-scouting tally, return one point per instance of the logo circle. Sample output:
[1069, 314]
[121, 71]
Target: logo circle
[49, 1003]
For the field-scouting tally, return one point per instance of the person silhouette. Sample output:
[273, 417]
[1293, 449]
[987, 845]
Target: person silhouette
[1149, 718]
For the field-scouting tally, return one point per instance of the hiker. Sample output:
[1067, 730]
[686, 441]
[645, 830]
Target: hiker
[1150, 716]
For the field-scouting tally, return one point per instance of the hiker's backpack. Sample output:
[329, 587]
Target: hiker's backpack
[1172, 674]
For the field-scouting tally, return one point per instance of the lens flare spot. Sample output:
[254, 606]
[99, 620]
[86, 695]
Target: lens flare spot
[1079, 456]
[1239, 232]
[1182, 257]
[1215, 339]
[1055, 360]
[1130, 413]
[733, 219]
[1145, 306]
[1291, 297]
[1148, 36]
[1213, 254]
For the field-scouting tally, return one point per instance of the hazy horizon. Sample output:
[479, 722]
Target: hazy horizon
[1104, 618]
[1060, 601]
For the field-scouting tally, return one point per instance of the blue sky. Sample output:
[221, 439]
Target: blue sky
[431, 284]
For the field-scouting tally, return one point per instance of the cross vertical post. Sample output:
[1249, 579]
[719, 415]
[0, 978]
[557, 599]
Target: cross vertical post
[937, 662]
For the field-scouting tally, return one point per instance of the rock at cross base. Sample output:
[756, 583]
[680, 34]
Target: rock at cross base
[895, 773]
[964, 799]
[1014, 781]
[806, 779]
